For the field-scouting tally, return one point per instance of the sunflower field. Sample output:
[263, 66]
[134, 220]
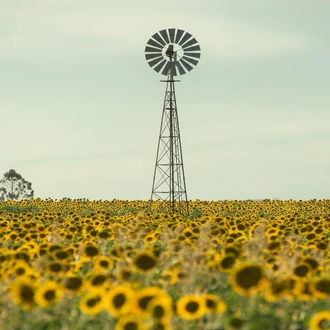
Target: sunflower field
[75, 264]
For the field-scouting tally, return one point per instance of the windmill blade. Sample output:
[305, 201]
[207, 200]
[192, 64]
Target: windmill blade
[181, 70]
[163, 33]
[151, 56]
[186, 65]
[192, 41]
[192, 48]
[190, 60]
[185, 38]
[166, 68]
[153, 50]
[154, 44]
[158, 38]
[179, 34]
[155, 61]
[197, 55]
[171, 33]
[160, 65]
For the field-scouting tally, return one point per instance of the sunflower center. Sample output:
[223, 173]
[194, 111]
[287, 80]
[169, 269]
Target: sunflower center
[144, 301]
[248, 277]
[301, 270]
[61, 255]
[236, 323]
[324, 324]
[27, 293]
[130, 326]
[145, 262]
[322, 246]
[20, 271]
[91, 251]
[158, 312]
[93, 302]
[323, 286]
[119, 300]
[73, 283]
[49, 295]
[211, 304]
[55, 267]
[98, 280]
[228, 262]
[104, 264]
[278, 287]
[192, 306]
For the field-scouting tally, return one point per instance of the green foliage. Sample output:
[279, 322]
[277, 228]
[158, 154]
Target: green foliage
[18, 209]
[196, 213]
[13, 187]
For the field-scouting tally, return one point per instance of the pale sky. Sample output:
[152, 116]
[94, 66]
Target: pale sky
[81, 108]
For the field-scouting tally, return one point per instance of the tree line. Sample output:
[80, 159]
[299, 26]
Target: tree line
[13, 187]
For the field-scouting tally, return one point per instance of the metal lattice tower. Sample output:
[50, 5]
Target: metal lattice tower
[169, 52]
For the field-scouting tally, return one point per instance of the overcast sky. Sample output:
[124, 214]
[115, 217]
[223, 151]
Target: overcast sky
[81, 109]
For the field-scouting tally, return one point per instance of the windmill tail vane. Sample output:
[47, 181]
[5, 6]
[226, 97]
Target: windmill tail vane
[171, 52]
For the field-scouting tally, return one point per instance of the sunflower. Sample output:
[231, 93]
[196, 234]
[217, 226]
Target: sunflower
[118, 300]
[233, 250]
[313, 263]
[273, 246]
[320, 321]
[321, 287]
[124, 274]
[303, 290]
[162, 324]
[247, 278]
[117, 253]
[280, 288]
[130, 322]
[145, 261]
[73, 282]
[48, 294]
[301, 270]
[187, 233]
[173, 275]
[23, 292]
[145, 296]
[227, 263]
[19, 268]
[61, 255]
[102, 263]
[160, 308]
[235, 323]
[54, 268]
[214, 304]
[191, 307]
[92, 303]
[322, 246]
[96, 280]
[54, 247]
[105, 234]
[90, 250]
[150, 238]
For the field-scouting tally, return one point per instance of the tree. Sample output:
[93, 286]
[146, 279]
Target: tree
[14, 186]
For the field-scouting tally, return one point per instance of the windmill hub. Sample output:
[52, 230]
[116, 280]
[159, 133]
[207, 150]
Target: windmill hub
[170, 50]
[177, 51]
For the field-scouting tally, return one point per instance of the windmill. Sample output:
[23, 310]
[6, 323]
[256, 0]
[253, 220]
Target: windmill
[171, 52]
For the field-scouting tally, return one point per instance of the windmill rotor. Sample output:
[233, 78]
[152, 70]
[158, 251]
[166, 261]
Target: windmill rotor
[164, 44]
